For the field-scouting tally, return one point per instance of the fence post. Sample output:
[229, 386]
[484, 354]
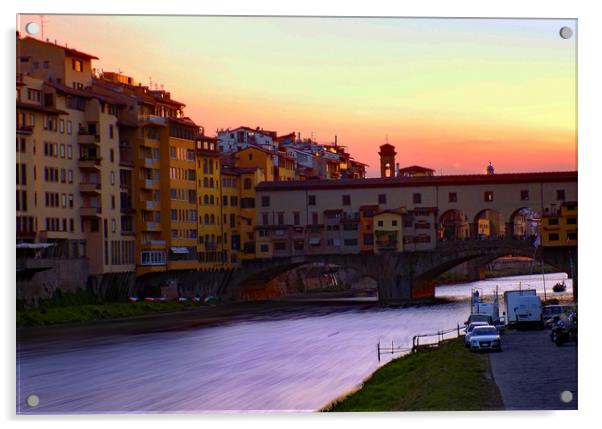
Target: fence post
[458, 325]
[378, 349]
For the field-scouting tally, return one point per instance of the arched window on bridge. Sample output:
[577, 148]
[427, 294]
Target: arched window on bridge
[453, 225]
[525, 223]
[489, 224]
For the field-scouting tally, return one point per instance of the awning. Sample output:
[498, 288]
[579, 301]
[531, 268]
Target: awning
[179, 250]
[34, 245]
[314, 241]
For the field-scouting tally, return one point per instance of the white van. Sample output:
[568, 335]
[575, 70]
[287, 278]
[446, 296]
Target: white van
[511, 300]
[528, 311]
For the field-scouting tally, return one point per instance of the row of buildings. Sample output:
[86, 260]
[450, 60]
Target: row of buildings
[113, 171]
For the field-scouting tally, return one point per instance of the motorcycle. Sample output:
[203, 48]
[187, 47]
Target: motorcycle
[565, 330]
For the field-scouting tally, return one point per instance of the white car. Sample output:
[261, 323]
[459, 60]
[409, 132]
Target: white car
[485, 338]
[471, 326]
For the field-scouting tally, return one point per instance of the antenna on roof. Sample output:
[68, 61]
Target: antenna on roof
[42, 24]
[150, 82]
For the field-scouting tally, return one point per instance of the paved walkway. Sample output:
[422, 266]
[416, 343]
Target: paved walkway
[532, 372]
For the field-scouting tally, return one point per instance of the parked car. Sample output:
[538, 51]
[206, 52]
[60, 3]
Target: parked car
[469, 330]
[552, 313]
[485, 338]
[476, 317]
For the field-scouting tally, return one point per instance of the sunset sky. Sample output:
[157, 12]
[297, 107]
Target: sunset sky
[450, 94]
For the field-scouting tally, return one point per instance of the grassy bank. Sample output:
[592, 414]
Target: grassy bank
[102, 311]
[449, 378]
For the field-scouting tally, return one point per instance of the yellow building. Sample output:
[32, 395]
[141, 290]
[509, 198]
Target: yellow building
[388, 231]
[210, 241]
[68, 190]
[179, 205]
[559, 228]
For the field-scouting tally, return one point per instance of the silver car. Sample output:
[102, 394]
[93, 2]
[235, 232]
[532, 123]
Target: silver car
[469, 330]
[485, 338]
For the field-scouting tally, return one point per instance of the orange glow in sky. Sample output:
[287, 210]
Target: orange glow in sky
[450, 94]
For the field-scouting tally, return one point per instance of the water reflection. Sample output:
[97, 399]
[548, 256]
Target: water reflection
[298, 362]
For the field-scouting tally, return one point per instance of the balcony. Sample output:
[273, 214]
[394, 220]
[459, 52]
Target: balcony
[88, 139]
[154, 244]
[89, 188]
[151, 226]
[150, 184]
[90, 211]
[150, 205]
[152, 119]
[89, 163]
[24, 129]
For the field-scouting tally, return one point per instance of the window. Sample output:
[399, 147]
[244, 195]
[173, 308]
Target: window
[77, 65]
[524, 195]
[382, 198]
[380, 223]
[112, 155]
[488, 196]
[311, 200]
[346, 200]
[553, 221]
[314, 218]
[553, 236]
[452, 197]
[571, 221]
[62, 126]
[417, 198]
[296, 218]
[368, 239]
[350, 242]
[560, 195]
[69, 151]
[571, 236]
[264, 248]
[265, 201]
[111, 133]
[264, 219]
[280, 218]
[393, 223]
[69, 127]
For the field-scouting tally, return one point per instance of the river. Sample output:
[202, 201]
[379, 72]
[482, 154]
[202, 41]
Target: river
[297, 362]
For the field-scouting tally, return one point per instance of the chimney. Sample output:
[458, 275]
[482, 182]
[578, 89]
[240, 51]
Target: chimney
[397, 169]
[335, 141]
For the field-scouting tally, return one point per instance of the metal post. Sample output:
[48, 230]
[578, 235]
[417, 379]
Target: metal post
[378, 349]
[543, 275]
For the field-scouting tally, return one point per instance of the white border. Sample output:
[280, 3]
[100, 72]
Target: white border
[589, 141]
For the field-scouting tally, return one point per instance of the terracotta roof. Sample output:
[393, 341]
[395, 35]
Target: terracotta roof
[415, 168]
[183, 121]
[399, 211]
[272, 134]
[270, 152]
[394, 182]
[69, 51]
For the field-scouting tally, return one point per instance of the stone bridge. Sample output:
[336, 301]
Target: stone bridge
[404, 276]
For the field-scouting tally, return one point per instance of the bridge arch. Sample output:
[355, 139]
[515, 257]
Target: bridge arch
[524, 223]
[453, 225]
[489, 223]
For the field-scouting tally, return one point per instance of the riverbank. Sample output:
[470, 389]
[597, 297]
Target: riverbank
[449, 378]
[97, 312]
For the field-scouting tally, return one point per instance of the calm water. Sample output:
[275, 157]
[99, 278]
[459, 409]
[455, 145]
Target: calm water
[298, 363]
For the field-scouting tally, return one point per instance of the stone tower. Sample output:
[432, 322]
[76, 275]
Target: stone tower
[387, 160]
